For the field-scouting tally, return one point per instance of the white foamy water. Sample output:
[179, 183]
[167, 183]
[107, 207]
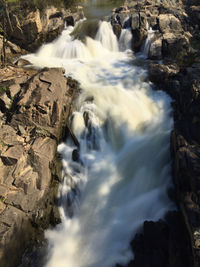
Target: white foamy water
[147, 43]
[123, 127]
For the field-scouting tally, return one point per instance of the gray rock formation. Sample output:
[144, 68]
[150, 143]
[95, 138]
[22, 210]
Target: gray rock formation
[38, 27]
[34, 117]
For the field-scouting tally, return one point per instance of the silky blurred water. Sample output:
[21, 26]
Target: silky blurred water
[123, 172]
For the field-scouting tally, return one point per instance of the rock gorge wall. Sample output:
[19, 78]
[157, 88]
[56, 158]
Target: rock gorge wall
[34, 110]
[30, 29]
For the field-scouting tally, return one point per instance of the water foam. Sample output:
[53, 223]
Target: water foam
[122, 177]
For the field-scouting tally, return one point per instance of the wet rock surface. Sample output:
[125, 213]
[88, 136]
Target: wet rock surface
[34, 110]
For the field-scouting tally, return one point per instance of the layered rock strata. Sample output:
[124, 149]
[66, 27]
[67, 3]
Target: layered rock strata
[34, 111]
[31, 29]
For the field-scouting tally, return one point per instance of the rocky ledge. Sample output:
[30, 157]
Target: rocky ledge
[34, 107]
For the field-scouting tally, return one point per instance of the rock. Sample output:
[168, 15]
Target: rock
[135, 21]
[86, 29]
[121, 9]
[139, 37]
[14, 90]
[169, 23]
[58, 14]
[11, 220]
[38, 27]
[117, 30]
[22, 62]
[139, 31]
[195, 10]
[160, 72]
[6, 178]
[155, 51]
[9, 136]
[32, 26]
[69, 21]
[194, 72]
[123, 20]
[16, 32]
[42, 102]
[6, 101]
[12, 154]
[172, 44]
[28, 172]
[11, 49]
[76, 155]
[162, 244]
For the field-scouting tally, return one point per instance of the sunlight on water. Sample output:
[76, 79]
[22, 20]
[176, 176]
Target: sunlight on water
[123, 173]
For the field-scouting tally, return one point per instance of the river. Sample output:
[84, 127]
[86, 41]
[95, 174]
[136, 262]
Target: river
[120, 175]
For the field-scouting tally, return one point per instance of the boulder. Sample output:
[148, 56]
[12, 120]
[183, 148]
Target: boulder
[32, 26]
[135, 21]
[139, 30]
[22, 62]
[117, 30]
[174, 45]
[158, 73]
[155, 50]
[162, 243]
[5, 102]
[169, 23]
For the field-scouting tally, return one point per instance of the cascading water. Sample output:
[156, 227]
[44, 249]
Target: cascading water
[147, 43]
[119, 176]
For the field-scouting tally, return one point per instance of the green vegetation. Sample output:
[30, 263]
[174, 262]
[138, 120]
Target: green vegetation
[41, 4]
[3, 144]
[2, 199]
[4, 89]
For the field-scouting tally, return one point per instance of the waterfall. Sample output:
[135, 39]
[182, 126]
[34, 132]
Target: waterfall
[147, 44]
[106, 36]
[125, 40]
[119, 176]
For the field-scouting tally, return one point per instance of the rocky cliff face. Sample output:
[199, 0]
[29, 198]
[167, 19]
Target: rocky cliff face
[34, 110]
[30, 30]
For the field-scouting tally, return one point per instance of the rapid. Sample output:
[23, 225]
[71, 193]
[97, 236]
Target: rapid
[119, 176]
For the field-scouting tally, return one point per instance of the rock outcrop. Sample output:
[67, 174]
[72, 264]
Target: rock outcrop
[34, 107]
[8, 50]
[168, 20]
[31, 29]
